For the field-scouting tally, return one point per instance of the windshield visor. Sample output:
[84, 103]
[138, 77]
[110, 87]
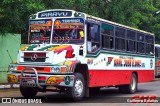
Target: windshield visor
[40, 31]
[68, 30]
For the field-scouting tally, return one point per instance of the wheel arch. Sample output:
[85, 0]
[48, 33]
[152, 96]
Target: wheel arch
[83, 69]
[135, 72]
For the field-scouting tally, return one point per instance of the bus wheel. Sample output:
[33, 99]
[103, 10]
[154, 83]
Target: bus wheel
[28, 92]
[77, 91]
[130, 88]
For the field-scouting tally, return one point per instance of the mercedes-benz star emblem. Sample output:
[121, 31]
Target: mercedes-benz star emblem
[34, 57]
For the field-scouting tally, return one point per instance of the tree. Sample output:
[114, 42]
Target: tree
[15, 14]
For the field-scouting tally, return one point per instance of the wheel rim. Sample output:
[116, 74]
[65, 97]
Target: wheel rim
[133, 83]
[78, 87]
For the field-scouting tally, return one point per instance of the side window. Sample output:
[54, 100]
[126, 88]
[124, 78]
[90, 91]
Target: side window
[131, 43]
[140, 43]
[93, 37]
[120, 41]
[107, 32]
[149, 44]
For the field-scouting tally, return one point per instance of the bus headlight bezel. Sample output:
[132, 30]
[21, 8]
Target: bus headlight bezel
[12, 68]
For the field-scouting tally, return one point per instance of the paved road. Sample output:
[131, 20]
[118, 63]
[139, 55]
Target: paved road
[106, 97]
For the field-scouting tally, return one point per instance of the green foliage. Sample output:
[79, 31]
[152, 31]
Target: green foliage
[14, 14]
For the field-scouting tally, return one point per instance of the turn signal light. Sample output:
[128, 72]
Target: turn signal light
[20, 68]
[47, 69]
[42, 78]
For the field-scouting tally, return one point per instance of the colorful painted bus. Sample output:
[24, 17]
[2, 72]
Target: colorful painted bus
[77, 53]
[157, 60]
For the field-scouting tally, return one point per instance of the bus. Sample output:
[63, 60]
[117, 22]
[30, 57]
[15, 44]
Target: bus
[157, 60]
[77, 53]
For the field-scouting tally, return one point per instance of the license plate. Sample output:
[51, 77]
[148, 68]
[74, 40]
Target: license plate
[28, 83]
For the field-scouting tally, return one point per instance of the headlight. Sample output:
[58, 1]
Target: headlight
[56, 69]
[12, 68]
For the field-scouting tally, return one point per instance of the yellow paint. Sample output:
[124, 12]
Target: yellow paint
[54, 80]
[82, 34]
[57, 47]
[14, 62]
[12, 78]
[24, 48]
[51, 80]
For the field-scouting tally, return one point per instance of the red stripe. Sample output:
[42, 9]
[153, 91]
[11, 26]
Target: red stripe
[117, 77]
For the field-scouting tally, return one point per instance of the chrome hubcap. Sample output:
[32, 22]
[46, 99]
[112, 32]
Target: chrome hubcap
[133, 83]
[78, 87]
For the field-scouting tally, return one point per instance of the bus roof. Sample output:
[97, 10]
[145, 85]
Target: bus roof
[111, 22]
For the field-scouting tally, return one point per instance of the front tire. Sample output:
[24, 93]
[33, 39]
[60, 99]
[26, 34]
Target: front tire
[28, 92]
[78, 90]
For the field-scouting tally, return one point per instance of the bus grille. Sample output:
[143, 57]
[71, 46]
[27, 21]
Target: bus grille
[34, 57]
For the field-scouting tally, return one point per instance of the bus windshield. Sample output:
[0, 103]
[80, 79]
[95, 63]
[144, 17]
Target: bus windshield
[40, 31]
[68, 30]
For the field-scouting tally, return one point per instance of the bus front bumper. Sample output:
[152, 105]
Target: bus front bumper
[39, 80]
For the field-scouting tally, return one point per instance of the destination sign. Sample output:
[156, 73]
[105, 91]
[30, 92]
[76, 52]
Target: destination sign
[55, 14]
[47, 22]
[37, 25]
[69, 23]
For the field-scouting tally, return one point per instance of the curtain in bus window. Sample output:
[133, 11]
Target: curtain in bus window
[107, 29]
[107, 35]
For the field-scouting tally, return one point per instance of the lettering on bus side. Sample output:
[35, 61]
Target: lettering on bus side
[127, 62]
[55, 14]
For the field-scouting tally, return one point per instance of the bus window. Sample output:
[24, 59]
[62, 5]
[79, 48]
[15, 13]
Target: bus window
[149, 44]
[107, 32]
[120, 39]
[140, 43]
[93, 38]
[149, 49]
[131, 45]
[68, 30]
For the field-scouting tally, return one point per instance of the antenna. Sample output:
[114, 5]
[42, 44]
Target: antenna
[9, 55]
